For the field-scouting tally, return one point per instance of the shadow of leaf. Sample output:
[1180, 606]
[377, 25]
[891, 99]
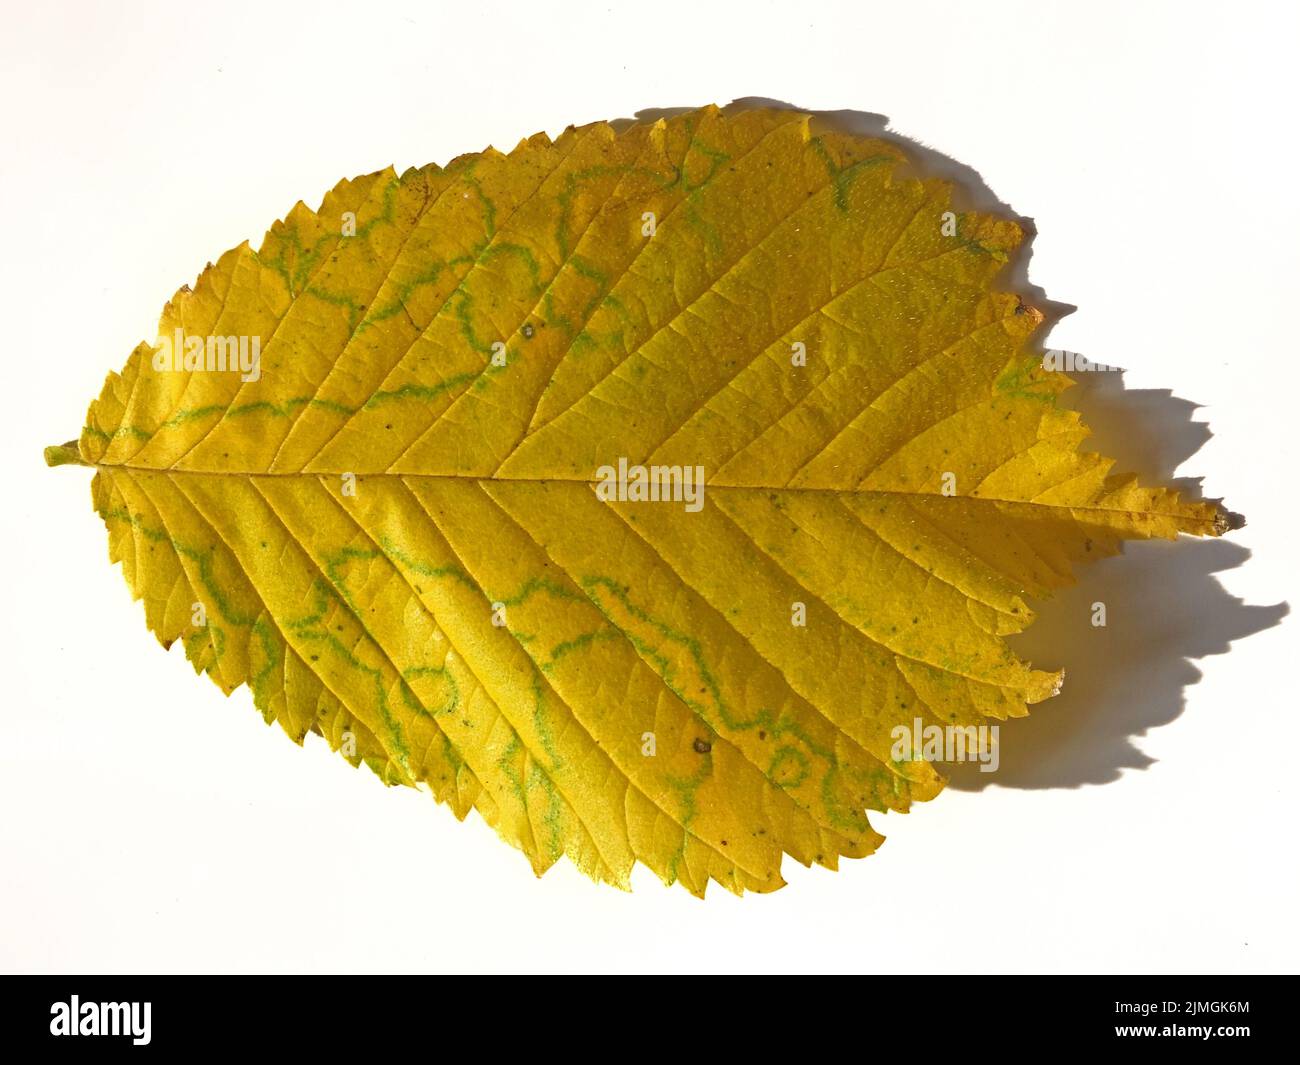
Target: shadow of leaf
[1164, 608]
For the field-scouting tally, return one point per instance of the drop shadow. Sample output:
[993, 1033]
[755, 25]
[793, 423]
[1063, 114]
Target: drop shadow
[1163, 608]
[1164, 605]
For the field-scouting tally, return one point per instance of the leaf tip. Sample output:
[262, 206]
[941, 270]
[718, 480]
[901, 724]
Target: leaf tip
[1228, 521]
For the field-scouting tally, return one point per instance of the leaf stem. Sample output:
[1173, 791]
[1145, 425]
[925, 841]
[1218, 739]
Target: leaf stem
[64, 455]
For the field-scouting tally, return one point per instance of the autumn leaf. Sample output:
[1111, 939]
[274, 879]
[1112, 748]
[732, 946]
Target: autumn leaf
[633, 488]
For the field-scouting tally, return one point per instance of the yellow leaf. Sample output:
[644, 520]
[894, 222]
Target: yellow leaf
[385, 470]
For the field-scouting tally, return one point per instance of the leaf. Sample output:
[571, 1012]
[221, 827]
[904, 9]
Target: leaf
[618, 681]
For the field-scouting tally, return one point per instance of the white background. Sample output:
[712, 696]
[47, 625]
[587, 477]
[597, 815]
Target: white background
[1143, 821]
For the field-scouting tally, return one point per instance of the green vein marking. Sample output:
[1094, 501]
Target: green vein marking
[203, 560]
[421, 392]
[578, 643]
[842, 815]
[422, 568]
[789, 766]
[576, 178]
[355, 310]
[542, 723]
[707, 230]
[842, 176]
[339, 299]
[597, 277]
[305, 259]
[286, 409]
[309, 629]
[530, 587]
[1024, 378]
[717, 160]
[537, 778]
[405, 290]
[212, 636]
[461, 301]
[442, 672]
[489, 208]
[683, 788]
[257, 626]
[333, 568]
[535, 585]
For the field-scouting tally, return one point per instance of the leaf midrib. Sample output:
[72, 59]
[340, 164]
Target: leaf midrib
[708, 485]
